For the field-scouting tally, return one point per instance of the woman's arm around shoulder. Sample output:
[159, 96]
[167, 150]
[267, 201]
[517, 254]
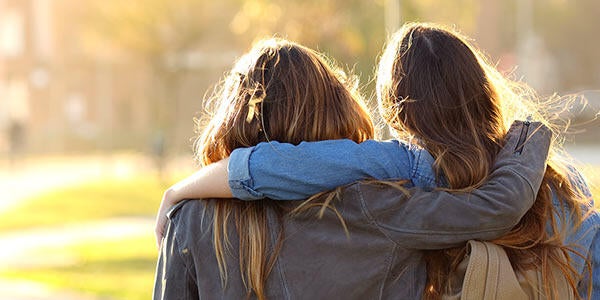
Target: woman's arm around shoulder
[283, 171]
[208, 182]
[441, 219]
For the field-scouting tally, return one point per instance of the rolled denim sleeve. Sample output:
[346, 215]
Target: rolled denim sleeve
[240, 182]
[284, 171]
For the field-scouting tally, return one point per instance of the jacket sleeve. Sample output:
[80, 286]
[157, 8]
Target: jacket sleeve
[173, 279]
[282, 171]
[440, 219]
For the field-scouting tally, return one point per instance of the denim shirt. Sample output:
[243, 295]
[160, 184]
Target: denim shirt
[293, 172]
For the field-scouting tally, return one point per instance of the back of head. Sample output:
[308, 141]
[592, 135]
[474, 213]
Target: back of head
[279, 91]
[435, 86]
[283, 91]
[431, 85]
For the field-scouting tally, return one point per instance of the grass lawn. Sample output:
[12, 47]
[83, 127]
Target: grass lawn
[119, 269]
[98, 200]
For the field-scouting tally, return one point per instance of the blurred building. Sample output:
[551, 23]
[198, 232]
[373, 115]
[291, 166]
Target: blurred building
[61, 90]
[47, 82]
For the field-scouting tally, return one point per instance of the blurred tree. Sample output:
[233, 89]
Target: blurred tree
[176, 40]
[568, 28]
[350, 31]
[158, 34]
[161, 36]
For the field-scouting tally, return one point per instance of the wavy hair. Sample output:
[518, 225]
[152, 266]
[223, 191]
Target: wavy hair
[436, 89]
[281, 91]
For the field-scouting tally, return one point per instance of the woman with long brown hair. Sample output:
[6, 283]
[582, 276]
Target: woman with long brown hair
[299, 97]
[437, 91]
[435, 87]
[233, 249]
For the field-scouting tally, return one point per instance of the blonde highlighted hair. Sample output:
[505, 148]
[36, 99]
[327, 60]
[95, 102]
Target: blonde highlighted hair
[281, 91]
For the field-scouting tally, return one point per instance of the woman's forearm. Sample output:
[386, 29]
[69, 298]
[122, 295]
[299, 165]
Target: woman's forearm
[208, 182]
[283, 171]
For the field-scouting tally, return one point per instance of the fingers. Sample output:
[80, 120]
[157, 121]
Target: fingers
[169, 199]
[161, 222]
[161, 219]
[159, 235]
[158, 232]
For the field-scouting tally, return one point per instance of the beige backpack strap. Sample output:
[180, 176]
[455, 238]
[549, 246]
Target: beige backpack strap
[486, 273]
[489, 274]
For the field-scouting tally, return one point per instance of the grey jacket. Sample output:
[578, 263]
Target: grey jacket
[381, 258]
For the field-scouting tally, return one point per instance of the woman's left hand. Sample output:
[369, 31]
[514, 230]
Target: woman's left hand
[209, 182]
[168, 200]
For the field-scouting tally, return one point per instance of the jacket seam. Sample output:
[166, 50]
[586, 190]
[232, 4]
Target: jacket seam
[177, 246]
[388, 260]
[372, 221]
[533, 190]
[283, 280]
[381, 228]
[444, 233]
[369, 217]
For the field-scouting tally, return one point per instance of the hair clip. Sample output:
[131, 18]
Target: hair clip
[252, 106]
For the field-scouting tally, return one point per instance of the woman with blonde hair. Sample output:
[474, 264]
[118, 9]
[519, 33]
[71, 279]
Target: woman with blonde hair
[366, 246]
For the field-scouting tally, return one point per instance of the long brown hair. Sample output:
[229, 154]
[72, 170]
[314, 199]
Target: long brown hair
[279, 91]
[436, 88]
